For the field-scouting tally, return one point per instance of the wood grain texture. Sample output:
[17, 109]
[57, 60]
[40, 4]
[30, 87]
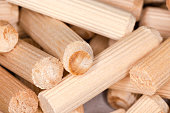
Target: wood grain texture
[34, 65]
[86, 14]
[58, 40]
[8, 36]
[125, 85]
[119, 111]
[109, 66]
[132, 6]
[83, 33]
[168, 4]
[98, 43]
[121, 99]
[14, 96]
[9, 12]
[152, 71]
[158, 19]
[149, 104]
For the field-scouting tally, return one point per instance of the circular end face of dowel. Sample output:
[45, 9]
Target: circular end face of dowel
[78, 58]
[8, 37]
[157, 34]
[47, 72]
[130, 25]
[23, 102]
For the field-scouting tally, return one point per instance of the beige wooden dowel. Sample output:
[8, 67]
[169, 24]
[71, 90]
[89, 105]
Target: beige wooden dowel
[59, 40]
[8, 36]
[98, 44]
[125, 85]
[20, 30]
[78, 110]
[121, 99]
[29, 85]
[111, 42]
[14, 96]
[83, 33]
[32, 42]
[153, 1]
[86, 14]
[9, 12]
[152, 71]
[132, 6]
[34, 65]
[109, 66]
[149, 104]
[168, 4]
[158, 19]
[119, 111]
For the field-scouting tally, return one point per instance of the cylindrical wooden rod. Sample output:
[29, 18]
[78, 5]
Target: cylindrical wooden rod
[132, 6]
[78, 110]
[121, 99]
[158, 19]
[168, 4]
[14, 96]
[86, 14]
[8, 36]
[98, 44]
[152, 71]
[119, 111]
[83, 33]
[75, 91]
[59, 40]
[34, 65]
[9, 12]
[125, 85]
[149, 104]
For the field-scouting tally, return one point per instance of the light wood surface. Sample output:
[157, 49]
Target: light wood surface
[34, 65]
[152, 71]
[86, 14]
[149, 104]
[83, 33]
[119, 111]
[158, 19]
[168, 4]
[9, 12]
[8, 36]
[75, 91]
[121, 99]
[125, 85]
[78, 110]
[132, 6]
[153, 1]
[58, 40]
[14, 96]
[98, 43]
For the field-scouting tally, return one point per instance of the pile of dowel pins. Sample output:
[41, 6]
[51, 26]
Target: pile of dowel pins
[56, 55]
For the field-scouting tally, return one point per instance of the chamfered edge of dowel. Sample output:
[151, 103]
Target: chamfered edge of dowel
[78, 57]
[8, 37]
[47, 72]
[24, 100]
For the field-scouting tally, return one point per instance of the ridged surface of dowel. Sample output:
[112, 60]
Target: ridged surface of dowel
[58, 40]
[14, 96]
[8, 37]
[86, 14]
[158, 19]
[152, 72]
[125, 85]
[132, 6]
[83, 33]
[120, 99]
[33, 65]
[119, 111]
[149, 104]
[109, 66]
[9, 12]
[153, 1]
